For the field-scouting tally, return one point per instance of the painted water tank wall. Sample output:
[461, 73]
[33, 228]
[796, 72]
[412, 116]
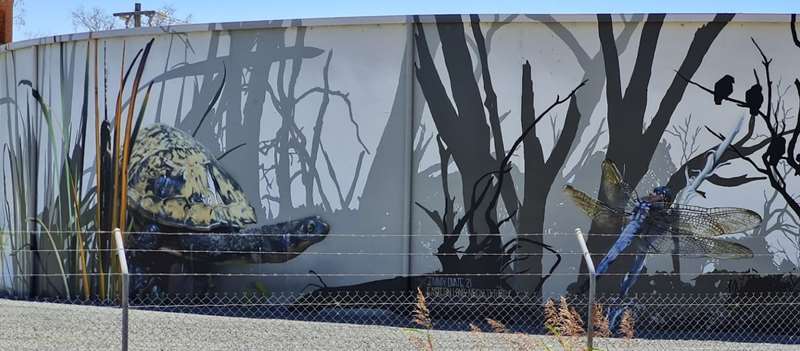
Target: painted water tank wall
[390, 126]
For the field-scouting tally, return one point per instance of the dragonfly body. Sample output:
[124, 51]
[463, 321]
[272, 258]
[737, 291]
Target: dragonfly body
[638, 225]
[627, 235]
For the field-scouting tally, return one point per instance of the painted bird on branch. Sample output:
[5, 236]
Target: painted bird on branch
[776, 149]
[753, 99]
[723, 88]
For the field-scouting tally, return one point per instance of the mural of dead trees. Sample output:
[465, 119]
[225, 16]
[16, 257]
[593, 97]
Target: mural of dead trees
[276, 108]
[468, 134]
[475, 146]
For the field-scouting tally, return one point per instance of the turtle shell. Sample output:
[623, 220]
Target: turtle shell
[173, 180]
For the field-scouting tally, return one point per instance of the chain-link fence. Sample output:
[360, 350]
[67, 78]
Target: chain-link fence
[415, 315]
[664, 320]
[747, 317]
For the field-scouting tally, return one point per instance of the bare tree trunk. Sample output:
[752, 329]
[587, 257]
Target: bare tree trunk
[540, 173]
[462, 125]
[243, 126]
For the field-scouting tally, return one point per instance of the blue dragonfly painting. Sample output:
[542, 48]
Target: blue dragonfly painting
[651, 224]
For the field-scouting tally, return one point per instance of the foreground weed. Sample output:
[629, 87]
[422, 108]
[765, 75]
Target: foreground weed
[600, 321]
[627, 326]
[422, 340]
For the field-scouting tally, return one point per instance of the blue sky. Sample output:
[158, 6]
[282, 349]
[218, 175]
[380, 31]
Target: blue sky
[48, 17]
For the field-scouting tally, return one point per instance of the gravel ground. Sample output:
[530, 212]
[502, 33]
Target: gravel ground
[45, 326]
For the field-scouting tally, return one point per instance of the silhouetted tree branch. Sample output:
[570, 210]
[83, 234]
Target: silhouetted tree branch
[678, 179]
[589, 96]
[509, 194]
[543, 175]
[462, 121]
[463, 136]
[559, 154]
[768, 166]
[793, 158]
[700, 45]
[776, 181]
[93, 19]
[776, 149]
[495, 26]
[540, 173]
[686, 137]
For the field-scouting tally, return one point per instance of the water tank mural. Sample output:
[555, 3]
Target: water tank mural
[454, 152]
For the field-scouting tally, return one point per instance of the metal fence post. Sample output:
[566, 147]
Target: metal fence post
[123, 267]
[592, 277]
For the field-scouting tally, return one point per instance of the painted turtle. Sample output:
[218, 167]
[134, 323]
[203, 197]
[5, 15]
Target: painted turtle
[176, 186]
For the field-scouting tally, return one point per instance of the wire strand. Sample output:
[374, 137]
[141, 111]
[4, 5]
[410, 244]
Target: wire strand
[431, 254]
[400, 274]
[346, 235]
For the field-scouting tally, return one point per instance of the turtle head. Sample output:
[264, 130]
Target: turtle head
[305, 232]
[315, 225]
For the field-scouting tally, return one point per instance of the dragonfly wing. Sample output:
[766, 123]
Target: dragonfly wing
[706, 222]
[733, 220]
[619, 192]
[611, 172]
[596, 210]
[689, 245]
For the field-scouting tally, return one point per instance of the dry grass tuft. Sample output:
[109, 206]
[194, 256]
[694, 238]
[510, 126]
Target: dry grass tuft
[563, 320]
[600, 321]
[551, 319]
[422, 317]
[626, 325]
[571, 322]
[497, 326]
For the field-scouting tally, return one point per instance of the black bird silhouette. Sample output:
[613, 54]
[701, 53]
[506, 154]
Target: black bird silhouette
[776, 149]
[723, 88]
[753, 99]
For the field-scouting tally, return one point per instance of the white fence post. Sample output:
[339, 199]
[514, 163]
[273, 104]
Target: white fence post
[592, 277]
[123, 267]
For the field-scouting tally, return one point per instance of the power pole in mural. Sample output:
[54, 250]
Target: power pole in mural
[6, 21]
[136, 15]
